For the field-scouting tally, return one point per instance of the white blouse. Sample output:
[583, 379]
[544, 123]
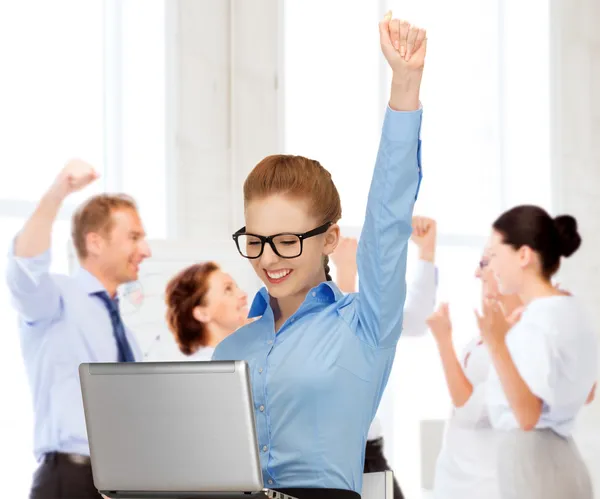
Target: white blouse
[555, 350]
[466, 465]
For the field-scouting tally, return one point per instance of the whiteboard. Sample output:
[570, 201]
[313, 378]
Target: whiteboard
[142, 302]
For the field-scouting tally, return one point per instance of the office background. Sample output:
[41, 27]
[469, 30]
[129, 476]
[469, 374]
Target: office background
[174, 101]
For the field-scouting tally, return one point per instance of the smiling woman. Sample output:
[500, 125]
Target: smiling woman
[290, 263]
[204, 305]
[545, 366]
[318, 356]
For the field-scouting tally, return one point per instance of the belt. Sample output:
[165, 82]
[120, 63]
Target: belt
[78, 459]
[315, 493]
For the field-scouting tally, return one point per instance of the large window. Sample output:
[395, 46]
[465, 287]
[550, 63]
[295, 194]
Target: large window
[79, 79]
[335, 97]
[332, 103]
[143, 101]
[51, 92]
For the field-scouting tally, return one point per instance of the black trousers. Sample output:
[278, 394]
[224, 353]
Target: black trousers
[375, 461]
[61, 477]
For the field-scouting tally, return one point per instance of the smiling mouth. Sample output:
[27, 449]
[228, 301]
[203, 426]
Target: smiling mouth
[278, 276]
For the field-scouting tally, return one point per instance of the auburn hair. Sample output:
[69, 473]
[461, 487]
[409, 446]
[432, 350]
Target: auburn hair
[184, 292]
[299, 178]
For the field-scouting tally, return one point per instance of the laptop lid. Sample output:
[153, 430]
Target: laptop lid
[177, 427]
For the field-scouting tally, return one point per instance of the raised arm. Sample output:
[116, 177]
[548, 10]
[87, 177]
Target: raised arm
[34, 294]
[382, 247]
[459, 386]
[421, 293]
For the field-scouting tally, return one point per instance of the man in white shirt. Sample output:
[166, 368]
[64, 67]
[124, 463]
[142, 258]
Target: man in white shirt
[419, 305]
[66, 320]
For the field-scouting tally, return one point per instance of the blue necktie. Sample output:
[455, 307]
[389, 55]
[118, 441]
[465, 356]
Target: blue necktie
[125, 352]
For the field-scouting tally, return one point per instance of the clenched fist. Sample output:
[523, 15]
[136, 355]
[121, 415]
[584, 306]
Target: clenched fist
[76, 175]
[424, 235]
[403, 44]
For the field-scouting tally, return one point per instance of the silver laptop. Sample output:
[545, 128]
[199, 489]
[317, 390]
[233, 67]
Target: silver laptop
[172, 430]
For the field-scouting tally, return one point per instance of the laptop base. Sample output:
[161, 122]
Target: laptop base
[263, 494]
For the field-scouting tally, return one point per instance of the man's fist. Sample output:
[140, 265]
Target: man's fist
[424, 235]
[76, 175]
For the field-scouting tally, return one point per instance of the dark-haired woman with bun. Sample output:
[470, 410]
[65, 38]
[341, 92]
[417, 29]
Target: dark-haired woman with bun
[204, 306]
[544, 366]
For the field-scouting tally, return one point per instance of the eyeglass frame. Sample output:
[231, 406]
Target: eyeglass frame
[269, 239]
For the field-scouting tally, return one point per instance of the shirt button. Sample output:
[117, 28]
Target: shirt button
[265, 448]
[260, 370]
[270, 342]
[270, 482]
[261, 408]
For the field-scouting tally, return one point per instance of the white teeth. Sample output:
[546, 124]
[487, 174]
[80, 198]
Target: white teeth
[279, 274]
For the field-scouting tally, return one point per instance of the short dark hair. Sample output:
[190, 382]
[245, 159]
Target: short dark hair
[551, 238]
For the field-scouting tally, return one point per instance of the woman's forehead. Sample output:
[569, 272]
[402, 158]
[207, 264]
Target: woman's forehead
[275, 214]
[221, 277]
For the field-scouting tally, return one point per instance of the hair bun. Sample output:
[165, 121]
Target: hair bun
[570, 240]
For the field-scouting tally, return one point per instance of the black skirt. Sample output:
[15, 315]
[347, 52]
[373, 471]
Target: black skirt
[376, 461]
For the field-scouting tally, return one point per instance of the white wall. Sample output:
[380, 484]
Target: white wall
[227, 106]
[576, 166]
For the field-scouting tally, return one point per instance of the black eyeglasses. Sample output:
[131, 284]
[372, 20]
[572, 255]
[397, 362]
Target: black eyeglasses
[284, 245]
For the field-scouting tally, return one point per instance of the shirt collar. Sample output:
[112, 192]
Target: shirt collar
[325, 292]
[89, 283]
